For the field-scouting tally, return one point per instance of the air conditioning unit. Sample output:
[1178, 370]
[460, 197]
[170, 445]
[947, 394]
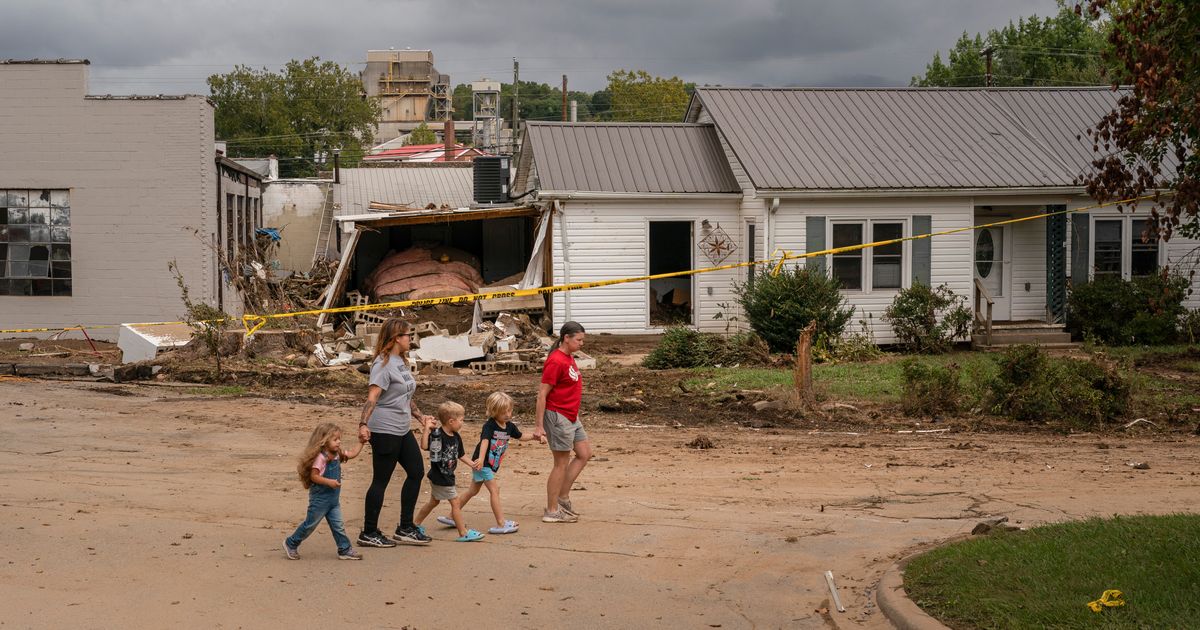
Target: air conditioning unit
[491, 179]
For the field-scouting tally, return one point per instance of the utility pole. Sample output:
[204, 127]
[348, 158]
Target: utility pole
[987, 53]
[516, 97]
[564, 95]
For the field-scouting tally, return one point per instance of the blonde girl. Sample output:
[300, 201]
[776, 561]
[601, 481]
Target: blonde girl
[320, 470]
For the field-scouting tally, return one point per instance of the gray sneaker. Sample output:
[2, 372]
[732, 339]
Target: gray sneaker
[565, 506]
[558, 516]
[292, 552]
[349, 554]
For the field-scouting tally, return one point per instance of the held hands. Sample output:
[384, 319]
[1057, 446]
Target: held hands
[539, 434]
[364, 434]
[477, 464]
[430, 422]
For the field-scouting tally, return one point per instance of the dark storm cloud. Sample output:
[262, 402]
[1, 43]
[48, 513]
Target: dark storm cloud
[164, 47]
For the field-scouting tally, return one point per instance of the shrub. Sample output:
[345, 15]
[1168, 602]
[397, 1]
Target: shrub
[779, 306]
[856, 346]
[1189, 326]
[682, 347]
[928, 320]
[1034, 387]
[930, 389]
[1145, 311]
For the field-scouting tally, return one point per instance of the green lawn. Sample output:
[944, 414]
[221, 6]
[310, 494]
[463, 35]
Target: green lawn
[1045, 577]
[880, 381]
[876, 381]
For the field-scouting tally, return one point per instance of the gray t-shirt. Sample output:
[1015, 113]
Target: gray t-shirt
[393, 412]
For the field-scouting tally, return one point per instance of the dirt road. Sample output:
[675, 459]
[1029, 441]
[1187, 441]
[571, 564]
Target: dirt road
[147, 507]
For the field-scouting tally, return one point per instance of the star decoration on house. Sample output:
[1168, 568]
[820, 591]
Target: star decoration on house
[717, 245]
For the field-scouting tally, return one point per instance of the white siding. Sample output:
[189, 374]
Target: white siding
[951, 254]
[608, 239]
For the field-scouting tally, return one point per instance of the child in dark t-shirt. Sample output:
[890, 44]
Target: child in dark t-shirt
[493, 443]
[446, 449]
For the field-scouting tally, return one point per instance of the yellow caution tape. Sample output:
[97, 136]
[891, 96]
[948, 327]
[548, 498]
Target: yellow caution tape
[254, 322]
[1110, 599]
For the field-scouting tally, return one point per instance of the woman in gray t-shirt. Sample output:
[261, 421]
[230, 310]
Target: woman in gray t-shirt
[387, 422]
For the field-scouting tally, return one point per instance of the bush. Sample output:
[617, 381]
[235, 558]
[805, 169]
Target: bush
[1034, 387]
[779, 306]
[1189, 326]
[928, 320]
[1143, 311]
[930, 389]
[682, 347]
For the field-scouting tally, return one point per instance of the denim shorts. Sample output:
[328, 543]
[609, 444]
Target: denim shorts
[482, 475]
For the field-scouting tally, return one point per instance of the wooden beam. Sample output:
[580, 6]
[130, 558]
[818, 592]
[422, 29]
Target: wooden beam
[334, 294]
[448, 217]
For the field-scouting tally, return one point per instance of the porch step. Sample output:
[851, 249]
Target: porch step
[1010, 337]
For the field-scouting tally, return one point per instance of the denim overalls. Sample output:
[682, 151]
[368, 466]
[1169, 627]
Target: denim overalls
[323, 503]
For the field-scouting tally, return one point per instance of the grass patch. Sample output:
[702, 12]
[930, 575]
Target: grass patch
[1044, 577]
[879, 381]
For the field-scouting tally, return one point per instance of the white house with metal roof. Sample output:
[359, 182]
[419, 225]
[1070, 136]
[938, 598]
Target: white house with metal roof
[821, 168]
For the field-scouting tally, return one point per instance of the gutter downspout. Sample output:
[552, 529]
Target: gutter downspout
[220, 234]
[562, 233]
[774, 207]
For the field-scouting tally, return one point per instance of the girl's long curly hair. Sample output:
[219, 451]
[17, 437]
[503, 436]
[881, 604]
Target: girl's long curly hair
[316, 443]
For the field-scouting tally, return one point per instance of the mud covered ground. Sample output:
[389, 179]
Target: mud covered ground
[164, 503]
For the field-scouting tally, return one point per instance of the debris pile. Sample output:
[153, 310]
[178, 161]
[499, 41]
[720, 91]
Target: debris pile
[511, 343]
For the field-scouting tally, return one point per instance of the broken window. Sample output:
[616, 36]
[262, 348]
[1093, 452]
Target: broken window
[670, 251]
[35, 242]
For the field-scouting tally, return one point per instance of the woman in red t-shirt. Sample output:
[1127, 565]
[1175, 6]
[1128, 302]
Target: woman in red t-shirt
[557, 417]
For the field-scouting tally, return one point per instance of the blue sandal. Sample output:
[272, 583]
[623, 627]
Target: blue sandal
[471, 536]
[510, 527]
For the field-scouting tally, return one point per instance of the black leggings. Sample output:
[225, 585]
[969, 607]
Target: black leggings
[386, 451]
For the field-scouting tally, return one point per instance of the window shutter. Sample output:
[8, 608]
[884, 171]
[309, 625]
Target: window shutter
[814, 241]
[922, 250]
[1080, 243]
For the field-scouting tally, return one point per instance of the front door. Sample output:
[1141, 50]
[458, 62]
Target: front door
[993, 269]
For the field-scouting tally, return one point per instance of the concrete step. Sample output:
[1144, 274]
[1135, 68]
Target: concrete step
[1012, 338]
[1026, 325]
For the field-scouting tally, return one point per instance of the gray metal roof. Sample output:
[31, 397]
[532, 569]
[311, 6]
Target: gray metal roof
[629, 158]
[417, 186]
[902, 138]
[1059, 118]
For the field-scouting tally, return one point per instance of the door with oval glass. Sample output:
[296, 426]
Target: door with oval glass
[993, 268]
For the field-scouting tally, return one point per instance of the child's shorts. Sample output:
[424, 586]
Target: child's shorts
[443, 493]
[483, 474]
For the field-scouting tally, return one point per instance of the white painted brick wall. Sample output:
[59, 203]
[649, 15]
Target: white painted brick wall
[141, 176]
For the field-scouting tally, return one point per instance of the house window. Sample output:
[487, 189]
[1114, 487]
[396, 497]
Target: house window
[887, 264]
[848, 266]
[35, 242]
[1108, 248]
[1143, 256]
[1118, 250]
[879, 267]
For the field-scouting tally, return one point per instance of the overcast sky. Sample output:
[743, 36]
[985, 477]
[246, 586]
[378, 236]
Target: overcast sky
[170, 46]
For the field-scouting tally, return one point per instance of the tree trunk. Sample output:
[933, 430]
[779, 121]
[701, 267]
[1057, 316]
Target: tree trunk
[803, 371]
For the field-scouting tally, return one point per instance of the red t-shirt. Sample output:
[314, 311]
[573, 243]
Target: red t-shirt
[566, 389]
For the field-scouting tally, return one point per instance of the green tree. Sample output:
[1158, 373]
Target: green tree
[637, 96]
[301, 114]
[421, 135]
[1062, 50]
[1148, 144]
